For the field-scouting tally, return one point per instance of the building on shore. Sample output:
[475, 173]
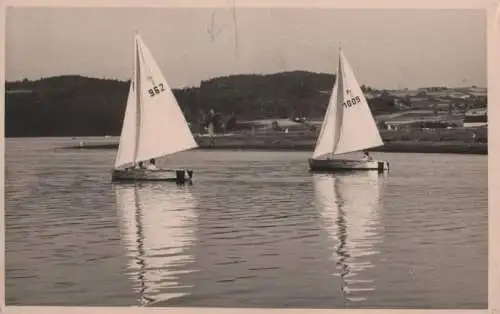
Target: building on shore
[476, 118]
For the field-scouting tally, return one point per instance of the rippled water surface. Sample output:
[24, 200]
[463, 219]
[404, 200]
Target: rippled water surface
[255, 230]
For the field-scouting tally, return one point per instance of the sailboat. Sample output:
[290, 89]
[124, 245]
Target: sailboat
[158, 224]
[153, 126]
[348, 126]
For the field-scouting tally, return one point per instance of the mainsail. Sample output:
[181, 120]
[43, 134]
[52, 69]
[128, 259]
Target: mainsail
[153, 125]
[348, 125]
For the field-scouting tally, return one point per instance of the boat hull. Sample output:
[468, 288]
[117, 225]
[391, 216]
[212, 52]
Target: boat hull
[347, 165]
[178, 176]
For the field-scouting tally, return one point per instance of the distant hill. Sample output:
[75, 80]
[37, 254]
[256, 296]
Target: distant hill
[82, 106]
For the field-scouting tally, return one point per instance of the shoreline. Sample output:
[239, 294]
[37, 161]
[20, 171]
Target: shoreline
[389, 147]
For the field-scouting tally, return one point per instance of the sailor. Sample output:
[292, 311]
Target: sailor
[140, 165]
[152, 164]
[366, 156]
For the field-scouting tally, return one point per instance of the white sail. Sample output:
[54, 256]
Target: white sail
[348, 125]
[332, 122]
[126, 147]
[161, 128]
[157, 226]
[349, 208]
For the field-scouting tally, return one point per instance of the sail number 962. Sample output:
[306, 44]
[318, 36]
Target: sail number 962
[351, 102]
[156, 90]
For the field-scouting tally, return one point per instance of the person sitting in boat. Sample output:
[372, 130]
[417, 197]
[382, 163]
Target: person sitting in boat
[140, 165]
[366, 156]
[152, 164]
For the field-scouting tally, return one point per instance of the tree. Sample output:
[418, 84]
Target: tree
[366, 88]
[275, 125]
[407, 100]
[231, 123]
[435, 109]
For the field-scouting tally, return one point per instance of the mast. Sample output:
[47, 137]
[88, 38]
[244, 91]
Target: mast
[138, 96]
[339, 109]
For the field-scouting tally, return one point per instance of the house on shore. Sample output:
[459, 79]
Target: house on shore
[476, 118]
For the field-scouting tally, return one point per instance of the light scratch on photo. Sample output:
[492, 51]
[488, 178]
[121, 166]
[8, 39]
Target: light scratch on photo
[235, 27]
[212, 29]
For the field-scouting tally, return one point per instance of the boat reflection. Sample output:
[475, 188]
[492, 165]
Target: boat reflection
[157, 223]
[349, 206]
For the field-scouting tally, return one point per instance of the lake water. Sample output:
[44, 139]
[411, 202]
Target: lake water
[255, 230]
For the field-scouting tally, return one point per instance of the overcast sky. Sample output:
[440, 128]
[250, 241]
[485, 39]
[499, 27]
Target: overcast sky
[387, 48]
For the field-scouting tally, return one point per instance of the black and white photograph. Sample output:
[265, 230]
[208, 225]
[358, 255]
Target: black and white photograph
[246, 157]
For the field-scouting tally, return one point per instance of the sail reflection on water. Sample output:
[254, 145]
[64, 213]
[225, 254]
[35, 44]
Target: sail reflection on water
[158, 223]
[349, 208]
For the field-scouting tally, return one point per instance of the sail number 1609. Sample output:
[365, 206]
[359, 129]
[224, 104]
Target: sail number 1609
[351, 102]
[156, 90]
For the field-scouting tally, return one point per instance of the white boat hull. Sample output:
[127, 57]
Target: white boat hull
[178, 176]
[346, 165]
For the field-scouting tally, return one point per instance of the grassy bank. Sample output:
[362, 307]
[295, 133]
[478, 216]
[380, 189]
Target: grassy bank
[442, 147]
[305, 142]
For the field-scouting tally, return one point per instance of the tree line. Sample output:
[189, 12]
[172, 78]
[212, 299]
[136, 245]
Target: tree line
[81, 106]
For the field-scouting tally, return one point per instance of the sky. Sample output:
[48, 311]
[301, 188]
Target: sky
[387, 48]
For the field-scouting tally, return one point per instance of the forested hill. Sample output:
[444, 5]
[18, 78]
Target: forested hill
[82, 106]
